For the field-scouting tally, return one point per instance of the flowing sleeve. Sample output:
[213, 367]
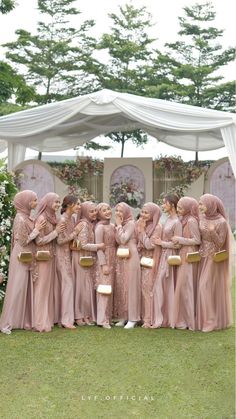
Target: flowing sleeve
[64, 237]
[177, 231]
[83, 237]
[219, 234]
[44, 238]
[124, 234]
[148, 242]
[21, 234]
[194, 231]
[99, 233]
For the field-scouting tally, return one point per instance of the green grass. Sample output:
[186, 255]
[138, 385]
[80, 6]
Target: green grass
[170, 373]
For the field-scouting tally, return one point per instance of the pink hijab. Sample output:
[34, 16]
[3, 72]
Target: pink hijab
[22, 201]
[45, 207]
[127, 212]
[99, 208]
[190, 207]
[215, 207]
[85, 207]
[155, 213]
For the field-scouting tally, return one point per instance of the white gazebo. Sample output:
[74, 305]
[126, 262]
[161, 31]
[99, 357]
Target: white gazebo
[63, 125]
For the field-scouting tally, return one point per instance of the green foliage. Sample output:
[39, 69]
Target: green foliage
[6, 6]
[57, 60]
[7, 212]
[188, 69]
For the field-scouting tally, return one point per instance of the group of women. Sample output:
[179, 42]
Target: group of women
[82, 269]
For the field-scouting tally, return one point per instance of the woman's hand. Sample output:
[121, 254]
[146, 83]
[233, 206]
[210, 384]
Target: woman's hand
[78, 228]
[60, 227]
[175, 239]
[158, 241]
[101, 246]
[40, 225]
[141, 224]
[118, 220]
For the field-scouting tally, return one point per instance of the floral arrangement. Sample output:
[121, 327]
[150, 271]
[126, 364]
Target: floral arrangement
[126, 191]
[7, 211]
[177, 168]
[72, 172]
[81, 193]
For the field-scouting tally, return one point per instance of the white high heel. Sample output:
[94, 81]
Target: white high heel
[130, 325]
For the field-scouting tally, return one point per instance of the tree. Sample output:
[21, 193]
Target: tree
[189, 71]
[6, 6]
[13, 85]
[58, 59]
[128, 47]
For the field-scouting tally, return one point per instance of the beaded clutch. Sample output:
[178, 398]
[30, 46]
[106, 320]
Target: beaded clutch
[104, 289]
[174, 260]
[122, 252]
[221, 256]
[86, 261]
[193, 257]
[147, 262]
[25, 257]
[43, 255]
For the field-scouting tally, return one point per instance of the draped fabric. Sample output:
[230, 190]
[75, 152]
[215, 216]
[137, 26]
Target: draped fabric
[72, 122]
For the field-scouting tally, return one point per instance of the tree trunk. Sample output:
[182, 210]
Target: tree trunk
[196, 158]
[40, 155]
[122, 148]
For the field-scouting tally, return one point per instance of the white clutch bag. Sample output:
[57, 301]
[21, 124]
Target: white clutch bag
[146, 262]
[122, 252]
[174, 260]
[104, 289]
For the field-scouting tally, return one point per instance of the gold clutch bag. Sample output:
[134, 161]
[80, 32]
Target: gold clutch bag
[193, 257]
[75, 245]
[104, 289]
[43, 255]
[122, 252]
[25, 257]
[221, 256]
[174, 260]
[146, 262]
[86, 261]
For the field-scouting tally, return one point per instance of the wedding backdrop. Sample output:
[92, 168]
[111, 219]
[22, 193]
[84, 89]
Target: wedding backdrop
[63, 125]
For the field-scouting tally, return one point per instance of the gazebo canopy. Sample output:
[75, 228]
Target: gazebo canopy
[72, 122]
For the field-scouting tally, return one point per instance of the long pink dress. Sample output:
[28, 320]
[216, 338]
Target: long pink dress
[65, 298]
[127, 292]
[44, 284]
[148, 249]
[164, 283]
[214, 308]
[84, 277]
[17, 310]
[184, 301]
[105, 233]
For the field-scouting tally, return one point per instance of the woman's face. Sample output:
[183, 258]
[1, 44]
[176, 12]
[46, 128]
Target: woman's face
[92, 213]
[145, 214]
[180, 209]
[56, 205]
[119, 211]
[76, 207]
[34, 203]
[166, 206]
[105, 212]
[202, 208]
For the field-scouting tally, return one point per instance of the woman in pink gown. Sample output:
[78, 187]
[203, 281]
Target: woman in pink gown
[84, 276]
[214, 309]
[127, 293]
[17, 310]
[65, 301]
[105, 233]
[165, 278]
[44, 283]
[184, 306]
[148, 228]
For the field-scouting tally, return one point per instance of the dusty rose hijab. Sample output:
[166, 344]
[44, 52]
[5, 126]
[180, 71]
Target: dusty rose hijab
[155, 213]
[99, 208]
[45, 207]
[22, 201]
[127, 212]
[215, 207]
[85, 207]
[190, 207]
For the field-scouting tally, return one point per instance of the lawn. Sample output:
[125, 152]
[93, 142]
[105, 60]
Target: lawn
[96, 373]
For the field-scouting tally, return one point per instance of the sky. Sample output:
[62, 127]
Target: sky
[165, 16]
